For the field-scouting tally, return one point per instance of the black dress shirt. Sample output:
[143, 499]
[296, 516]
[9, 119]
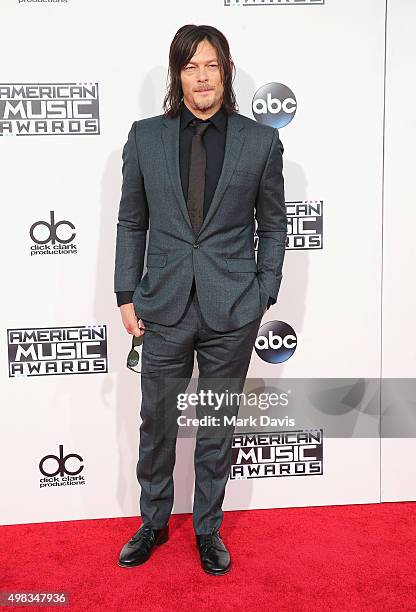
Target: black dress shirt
[214, 142]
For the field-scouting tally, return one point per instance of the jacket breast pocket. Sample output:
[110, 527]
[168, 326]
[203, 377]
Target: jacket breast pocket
[242, 264]
[156, 260]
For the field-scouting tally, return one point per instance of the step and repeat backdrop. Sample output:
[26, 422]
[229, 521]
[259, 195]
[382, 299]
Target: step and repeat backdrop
[338, 346]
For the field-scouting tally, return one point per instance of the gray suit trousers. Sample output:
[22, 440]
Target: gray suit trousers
[168, 354]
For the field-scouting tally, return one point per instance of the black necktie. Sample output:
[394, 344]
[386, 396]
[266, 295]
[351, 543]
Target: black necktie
[197, 166]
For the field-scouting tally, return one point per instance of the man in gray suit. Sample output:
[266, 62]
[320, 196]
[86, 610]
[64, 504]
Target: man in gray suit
[195, 179]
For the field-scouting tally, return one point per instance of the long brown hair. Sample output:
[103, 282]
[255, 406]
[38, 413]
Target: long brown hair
[182, 48]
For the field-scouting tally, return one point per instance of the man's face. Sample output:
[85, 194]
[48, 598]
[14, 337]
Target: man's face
[201, 80]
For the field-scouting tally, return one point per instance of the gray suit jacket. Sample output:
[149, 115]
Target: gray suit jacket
[232, 288]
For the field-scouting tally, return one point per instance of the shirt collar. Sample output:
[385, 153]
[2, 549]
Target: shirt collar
[219, 119]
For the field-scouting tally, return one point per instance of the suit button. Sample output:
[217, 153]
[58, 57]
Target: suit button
[196, 245]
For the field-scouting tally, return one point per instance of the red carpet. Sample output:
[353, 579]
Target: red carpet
[339, 558]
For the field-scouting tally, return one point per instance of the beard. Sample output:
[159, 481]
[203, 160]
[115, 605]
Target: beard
[205, 105]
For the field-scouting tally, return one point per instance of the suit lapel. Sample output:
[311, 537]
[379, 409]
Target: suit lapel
[233, 145]
[170, 137]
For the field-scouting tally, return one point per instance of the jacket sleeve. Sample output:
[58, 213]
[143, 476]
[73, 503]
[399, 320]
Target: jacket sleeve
[124, 297]
[133, 220]
[271, 222]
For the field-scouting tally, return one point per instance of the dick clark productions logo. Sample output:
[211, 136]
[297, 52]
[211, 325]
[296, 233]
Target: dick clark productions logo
[57, 472]
[276, 342]
[60, 464]
[53, 237]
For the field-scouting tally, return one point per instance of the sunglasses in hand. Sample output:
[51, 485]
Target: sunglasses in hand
[133, 357]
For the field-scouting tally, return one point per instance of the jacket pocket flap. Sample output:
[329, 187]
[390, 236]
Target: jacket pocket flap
[242, 265]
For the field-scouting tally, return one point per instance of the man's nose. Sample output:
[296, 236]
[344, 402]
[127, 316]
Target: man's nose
[202, 74]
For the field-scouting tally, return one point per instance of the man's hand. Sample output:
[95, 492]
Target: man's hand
[130, 320]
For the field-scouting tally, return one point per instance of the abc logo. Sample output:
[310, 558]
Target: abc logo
[274, 104]
[60, 462]
[276, 342]
[52, 234]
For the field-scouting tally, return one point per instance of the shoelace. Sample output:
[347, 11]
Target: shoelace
[209, 542]
[145, 534]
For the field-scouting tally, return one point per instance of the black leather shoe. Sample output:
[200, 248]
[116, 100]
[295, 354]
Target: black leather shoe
[215, 558]
[137, 550]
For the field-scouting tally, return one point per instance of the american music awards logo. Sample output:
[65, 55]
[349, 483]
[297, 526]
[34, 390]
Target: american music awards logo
[49, 109]
[285, 453]
[48, 351]
[305, 225]
[305, 220]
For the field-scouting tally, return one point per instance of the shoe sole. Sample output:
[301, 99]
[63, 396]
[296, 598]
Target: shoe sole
[221, 573]
[128, 565]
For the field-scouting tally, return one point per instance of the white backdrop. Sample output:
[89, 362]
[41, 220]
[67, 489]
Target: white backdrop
[332, 56]
[399, 297]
